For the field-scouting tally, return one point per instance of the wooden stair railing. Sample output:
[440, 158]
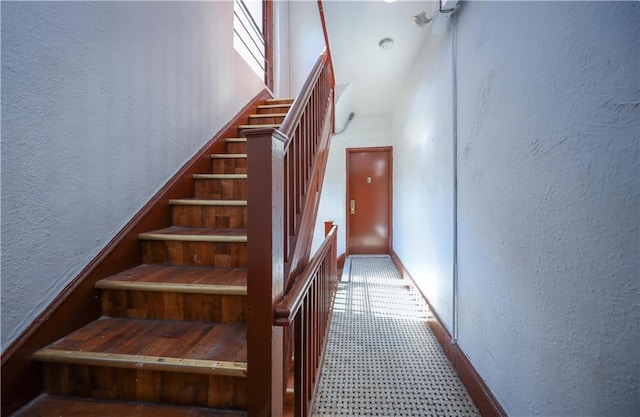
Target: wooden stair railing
[305, 160]
[286, 168]
[308, 306]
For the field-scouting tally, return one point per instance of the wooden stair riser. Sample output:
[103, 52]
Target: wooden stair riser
[124, 384]
[229, 165]
[221, 189]
[273, 108]
[273, 101]
[215, 308]
[209, 216]
[236, 147]
[259, 119]
[175, 252]
[242, 129]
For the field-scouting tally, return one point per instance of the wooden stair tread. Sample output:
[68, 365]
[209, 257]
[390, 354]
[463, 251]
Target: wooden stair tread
[228, 155]
[277, 100]
[266, 115]
[52, 406]
[260, 126]
[273, 106]
[206, 202]
[164, 345]
[234, 140]
[196, 234]
[185, 279]
[220, 176]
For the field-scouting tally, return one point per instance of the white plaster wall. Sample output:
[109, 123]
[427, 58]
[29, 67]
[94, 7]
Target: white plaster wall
[366, 130]
[307, 44]
[549, 196]
[423, 172]
[307, 41]
[282, 46]
[549, 203]
[102, 102]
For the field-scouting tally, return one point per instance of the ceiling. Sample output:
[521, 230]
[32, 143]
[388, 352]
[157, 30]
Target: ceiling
[369, 79]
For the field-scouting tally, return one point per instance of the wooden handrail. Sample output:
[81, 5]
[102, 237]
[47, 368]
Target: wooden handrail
[307, 127]
[298, 106]
[287, 309]
[326, 41]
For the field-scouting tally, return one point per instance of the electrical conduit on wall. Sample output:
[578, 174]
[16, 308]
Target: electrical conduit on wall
[454, 134]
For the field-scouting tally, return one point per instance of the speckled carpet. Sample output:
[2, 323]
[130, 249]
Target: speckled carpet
[382, 358]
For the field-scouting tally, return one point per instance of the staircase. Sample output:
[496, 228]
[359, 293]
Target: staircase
[173, 330]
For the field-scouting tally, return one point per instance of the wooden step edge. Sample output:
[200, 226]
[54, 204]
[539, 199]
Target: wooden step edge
[193, 238]
[261, 126]
[289, 397]
[219, 176]
[235, 140]
[202, 202]
[151, 363]
[273, 100]
[274, 106]
[106, 284]
[228, 156]
[266, 115]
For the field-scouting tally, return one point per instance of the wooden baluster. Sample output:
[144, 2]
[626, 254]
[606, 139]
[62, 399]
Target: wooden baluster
[298, 372]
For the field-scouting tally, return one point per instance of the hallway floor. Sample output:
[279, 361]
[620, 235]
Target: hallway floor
[382, 358]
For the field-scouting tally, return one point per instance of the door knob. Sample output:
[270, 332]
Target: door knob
[353, 206]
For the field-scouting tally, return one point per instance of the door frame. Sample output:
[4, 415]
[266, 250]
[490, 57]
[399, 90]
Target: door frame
[389, 200]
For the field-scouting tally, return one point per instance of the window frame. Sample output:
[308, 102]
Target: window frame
[253, 42]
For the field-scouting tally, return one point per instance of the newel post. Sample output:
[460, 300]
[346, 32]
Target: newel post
[265, 271]
[328, 224]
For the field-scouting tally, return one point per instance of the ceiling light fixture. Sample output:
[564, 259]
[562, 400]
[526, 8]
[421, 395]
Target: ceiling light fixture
[385, 44]
[421, 19]
[390, 1]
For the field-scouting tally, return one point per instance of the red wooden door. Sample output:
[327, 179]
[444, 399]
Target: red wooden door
[369, 196]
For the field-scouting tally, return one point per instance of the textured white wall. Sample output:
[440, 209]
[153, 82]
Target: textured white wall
[299, 41]
[307, 41]
[549, 196]
[281, 49]
[423, 172]
[365, 130]
[102, 102]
